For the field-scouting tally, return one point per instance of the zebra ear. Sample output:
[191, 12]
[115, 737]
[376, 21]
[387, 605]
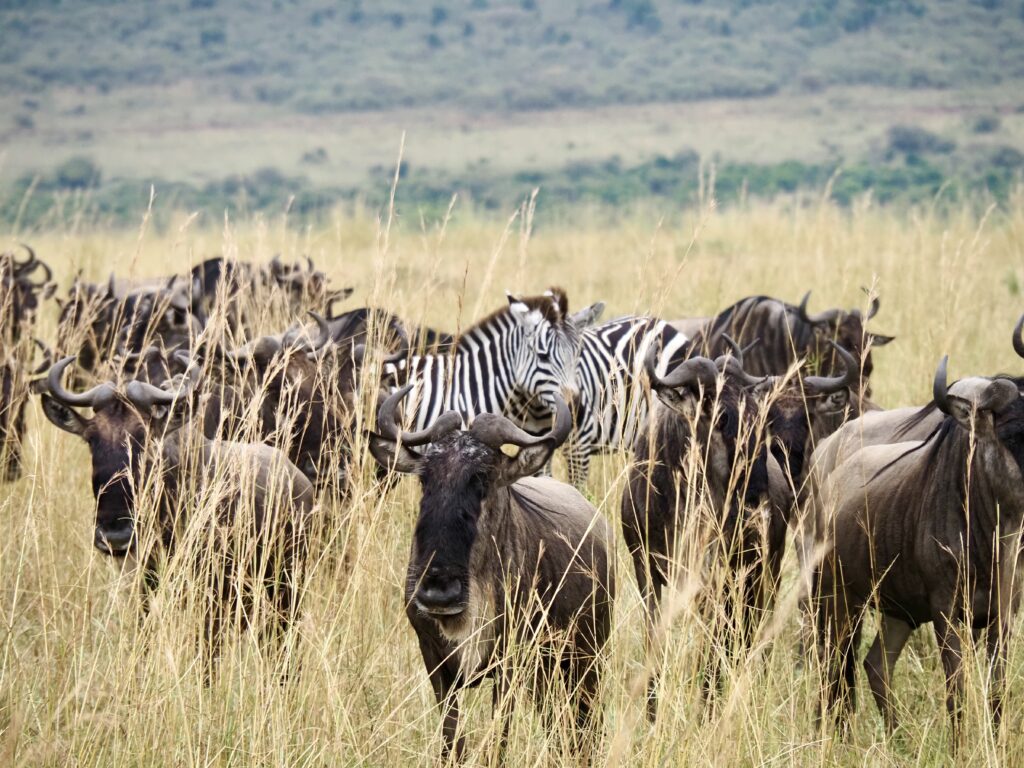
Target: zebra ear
[521, 312]
[587, 316]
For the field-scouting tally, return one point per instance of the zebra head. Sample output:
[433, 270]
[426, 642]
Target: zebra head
[545, 361]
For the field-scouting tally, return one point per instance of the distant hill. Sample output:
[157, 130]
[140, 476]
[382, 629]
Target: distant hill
[248, 105]
[317, 56]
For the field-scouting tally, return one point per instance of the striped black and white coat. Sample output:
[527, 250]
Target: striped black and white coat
[523, 353]
[613, 392]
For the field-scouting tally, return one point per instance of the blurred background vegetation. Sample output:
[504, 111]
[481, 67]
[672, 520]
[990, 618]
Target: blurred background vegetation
[299, 105]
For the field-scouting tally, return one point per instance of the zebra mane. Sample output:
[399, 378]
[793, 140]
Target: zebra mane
[553, 306]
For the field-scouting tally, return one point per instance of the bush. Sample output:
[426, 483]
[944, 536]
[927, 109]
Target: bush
[986, 124]
[913, 140]
[77, 173]
[212, 37]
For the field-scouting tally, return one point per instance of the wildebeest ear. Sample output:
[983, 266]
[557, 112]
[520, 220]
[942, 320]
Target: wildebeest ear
[528, 462]
[836, 401]
[964, 412]
[879, 340]
[66, 418]
[390, 455]
[588, 315]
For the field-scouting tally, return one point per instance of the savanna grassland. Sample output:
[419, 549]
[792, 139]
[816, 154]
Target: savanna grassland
[84, 682]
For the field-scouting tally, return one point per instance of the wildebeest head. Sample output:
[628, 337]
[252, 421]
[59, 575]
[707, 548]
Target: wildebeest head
[300, 396]
[844, 327]
[21, 290]
[116, 435]
[460, 471]
[98, 321]
[805, 409]
[714, 399]
[991, 410]
[305, 285]
[545, 364]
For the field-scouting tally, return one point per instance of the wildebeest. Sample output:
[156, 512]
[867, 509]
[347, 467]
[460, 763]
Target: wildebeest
[788, 333]
[498, 554]
[304, 401]
[702, 477]
[240, 511]
[926, 531]
[231, 283]
[98, 322]
[20, 295]
[874, 427]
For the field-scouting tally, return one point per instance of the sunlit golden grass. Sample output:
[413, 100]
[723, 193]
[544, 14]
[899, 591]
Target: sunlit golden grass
[83, 682]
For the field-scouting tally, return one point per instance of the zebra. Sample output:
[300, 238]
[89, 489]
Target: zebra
[525, 352]
[612, 404]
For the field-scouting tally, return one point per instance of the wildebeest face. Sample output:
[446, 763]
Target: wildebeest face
[115, 436]
[847, 329]
[460, 473]
[547, 358]
[455, 475]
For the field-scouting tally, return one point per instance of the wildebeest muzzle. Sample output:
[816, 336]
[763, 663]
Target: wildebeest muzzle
[114, 538]
[440, 594]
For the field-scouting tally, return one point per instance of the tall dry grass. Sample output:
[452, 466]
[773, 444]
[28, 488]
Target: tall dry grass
[84, 682]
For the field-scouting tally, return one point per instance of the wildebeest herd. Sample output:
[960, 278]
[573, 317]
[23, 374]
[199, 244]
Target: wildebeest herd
[742, 427]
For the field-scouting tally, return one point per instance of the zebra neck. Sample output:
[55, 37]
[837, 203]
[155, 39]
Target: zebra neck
[477, 376]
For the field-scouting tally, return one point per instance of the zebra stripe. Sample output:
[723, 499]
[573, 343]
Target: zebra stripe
[524, 353]
[612, 404]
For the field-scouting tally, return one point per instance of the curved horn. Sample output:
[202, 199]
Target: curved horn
[1018, 337]
[734, 348]
[696, 370]
[145, 395]
[733, 368]
[801, 310]
[97, 395]
[324, 337]
[20, 268]
[875, 304]
[940, 388]
[824, 385]
[824, 317]
[494, 430]
[31, 265]
[309, 264]
[388, 427]
[112, 286]
[651, 366]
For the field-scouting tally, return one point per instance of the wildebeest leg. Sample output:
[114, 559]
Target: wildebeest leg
[839, 623]
[582, 677]
[951, 653]
[998, 634]
[443, 677]
[651, 590]
[880, 662]
[501, 706]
